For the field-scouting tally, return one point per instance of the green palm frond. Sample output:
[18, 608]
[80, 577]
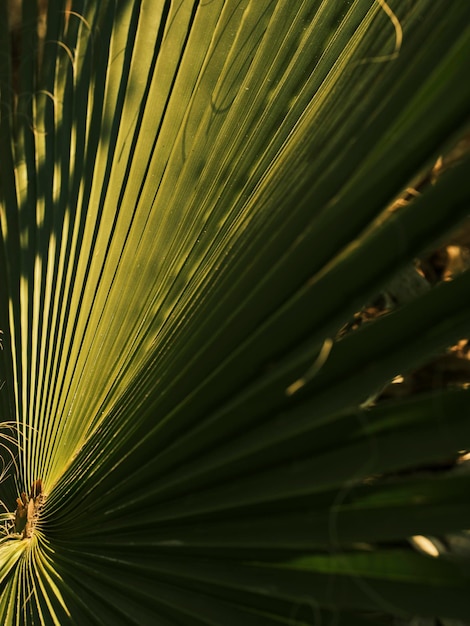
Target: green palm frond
[197, 197]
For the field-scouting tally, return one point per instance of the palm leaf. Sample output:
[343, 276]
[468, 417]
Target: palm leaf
[196, 197]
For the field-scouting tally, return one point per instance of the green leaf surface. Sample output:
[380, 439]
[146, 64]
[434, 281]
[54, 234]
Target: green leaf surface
[195, 198]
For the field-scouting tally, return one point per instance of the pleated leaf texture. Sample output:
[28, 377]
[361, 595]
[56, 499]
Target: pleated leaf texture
[195, 199]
